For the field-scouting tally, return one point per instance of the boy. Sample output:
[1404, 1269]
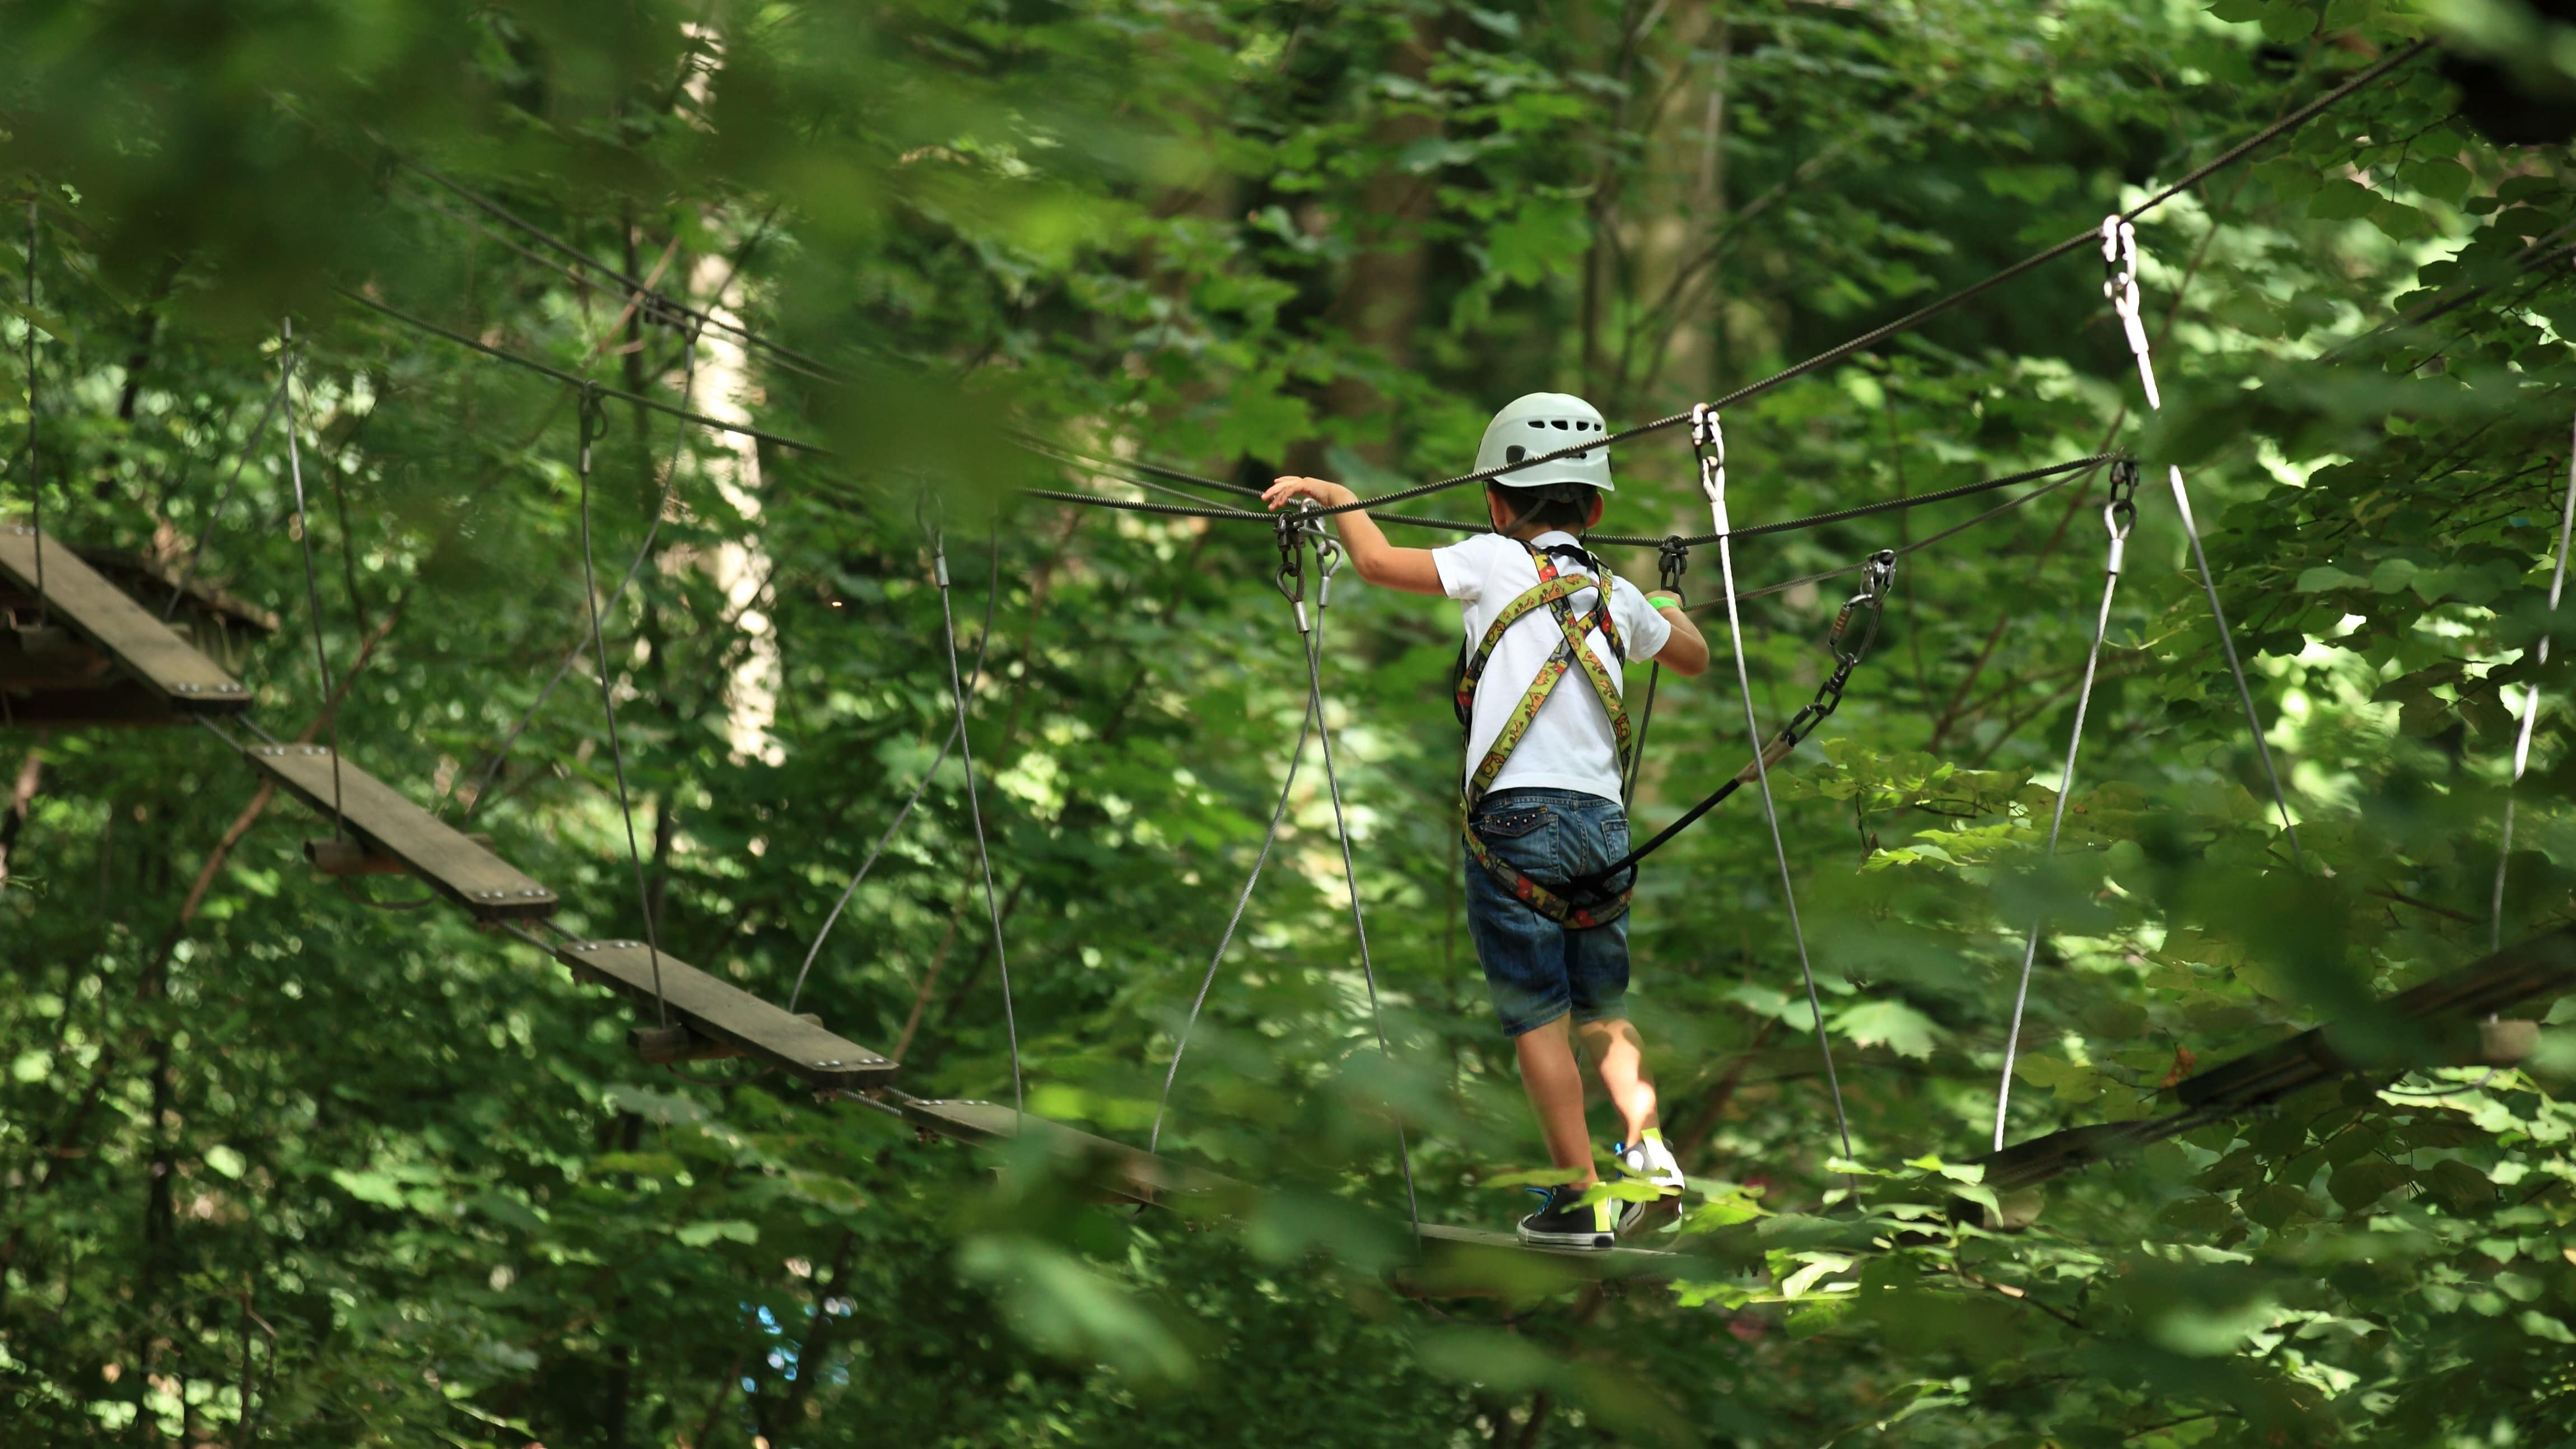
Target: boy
[1542, 780]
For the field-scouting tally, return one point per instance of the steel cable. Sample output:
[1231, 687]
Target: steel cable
[644, 551]
[1325, 563]
[312, 585]
[2117, 515]
[983, 643]
[1705, 435]
[592, 425]
[2531, 704]
[1242, 899]
[975, 809]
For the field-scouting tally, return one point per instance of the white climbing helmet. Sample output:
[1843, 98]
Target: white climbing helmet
[1542, 422]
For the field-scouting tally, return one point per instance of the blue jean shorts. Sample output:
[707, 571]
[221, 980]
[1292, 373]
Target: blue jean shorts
[1535, 969]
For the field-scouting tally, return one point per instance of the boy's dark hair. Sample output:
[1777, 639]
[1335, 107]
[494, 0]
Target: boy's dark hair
[1558, 505]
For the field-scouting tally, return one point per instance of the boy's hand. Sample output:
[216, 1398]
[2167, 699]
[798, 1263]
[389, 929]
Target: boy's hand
[1283, 490]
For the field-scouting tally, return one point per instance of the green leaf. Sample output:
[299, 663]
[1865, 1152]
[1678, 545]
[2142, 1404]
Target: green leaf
[698, 1235]
[1893, 1024]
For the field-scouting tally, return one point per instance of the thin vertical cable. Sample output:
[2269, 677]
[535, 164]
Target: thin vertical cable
[593, 424]
[223, 500]
[2116, 518]
[1325, 562]
[286, 354]
[1706, 434]
[2235, 668]
[2531, 704]
[975, 809]
[1242, 899]
[35, 458]
[983, 643]
[2120, 286]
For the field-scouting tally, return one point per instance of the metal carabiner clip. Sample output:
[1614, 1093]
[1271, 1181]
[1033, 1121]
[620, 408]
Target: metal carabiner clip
[1708, 439]
[1876, 575]
[2121, 513]
[1672, 562]
[1328, 561]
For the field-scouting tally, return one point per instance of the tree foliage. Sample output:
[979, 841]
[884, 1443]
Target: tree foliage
[288, 1163]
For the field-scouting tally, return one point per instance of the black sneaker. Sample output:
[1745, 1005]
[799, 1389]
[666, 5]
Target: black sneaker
[1565, 1220]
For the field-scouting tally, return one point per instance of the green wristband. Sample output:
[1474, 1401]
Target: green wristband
[1664, 599]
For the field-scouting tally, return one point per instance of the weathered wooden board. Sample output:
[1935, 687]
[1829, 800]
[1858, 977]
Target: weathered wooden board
[147, 650]
[725, 1012]
[454, 864]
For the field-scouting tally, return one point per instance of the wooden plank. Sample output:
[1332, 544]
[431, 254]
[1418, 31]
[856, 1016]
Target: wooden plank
[452, 862]
[1131, 1173]
[143, 647]
[724, 1012]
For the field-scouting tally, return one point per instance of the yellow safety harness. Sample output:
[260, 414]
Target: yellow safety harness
[1573, 650]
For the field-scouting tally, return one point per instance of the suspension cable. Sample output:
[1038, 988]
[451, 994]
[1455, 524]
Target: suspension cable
[1708, 440]
[1921, 315]
[2117, 517]
[740, 430]
[2531, 703]
[287, 353]
[206, 534]
[35, 455]
[983, 642]
[592, 425]
[1328, 557]
[1292, 586]
[975, 809]
[2120, 284]
[652, 530]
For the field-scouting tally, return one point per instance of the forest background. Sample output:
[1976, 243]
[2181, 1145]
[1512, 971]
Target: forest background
[284, 1167]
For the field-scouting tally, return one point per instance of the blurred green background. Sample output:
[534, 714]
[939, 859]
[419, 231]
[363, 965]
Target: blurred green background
[281, 1166]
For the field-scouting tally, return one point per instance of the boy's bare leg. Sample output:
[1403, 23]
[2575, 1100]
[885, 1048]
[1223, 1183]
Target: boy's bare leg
[1619, 1055]
[1555, 1087]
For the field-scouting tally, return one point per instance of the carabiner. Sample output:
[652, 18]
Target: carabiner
[593, 421]
[2122, 511]
[1328, 561]
[1708, 440]
[1876, 575]
[1292, 565]
[1672, 562]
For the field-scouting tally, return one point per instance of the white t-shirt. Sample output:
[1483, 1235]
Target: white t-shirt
[1569, 745]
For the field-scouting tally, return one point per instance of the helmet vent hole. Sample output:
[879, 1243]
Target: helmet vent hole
[1537, 423]
[1515, 453]
[1561, 423]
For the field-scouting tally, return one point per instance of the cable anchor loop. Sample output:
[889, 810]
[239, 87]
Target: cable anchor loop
[2120, 285]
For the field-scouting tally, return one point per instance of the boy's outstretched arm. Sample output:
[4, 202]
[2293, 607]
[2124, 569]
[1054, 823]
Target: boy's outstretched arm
[1686, 652]
[1378, 561]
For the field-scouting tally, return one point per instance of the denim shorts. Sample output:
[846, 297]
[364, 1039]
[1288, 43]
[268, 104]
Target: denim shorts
[1536, 969]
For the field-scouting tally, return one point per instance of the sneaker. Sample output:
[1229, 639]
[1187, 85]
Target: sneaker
[1648, 1160]
[1565, 1220]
